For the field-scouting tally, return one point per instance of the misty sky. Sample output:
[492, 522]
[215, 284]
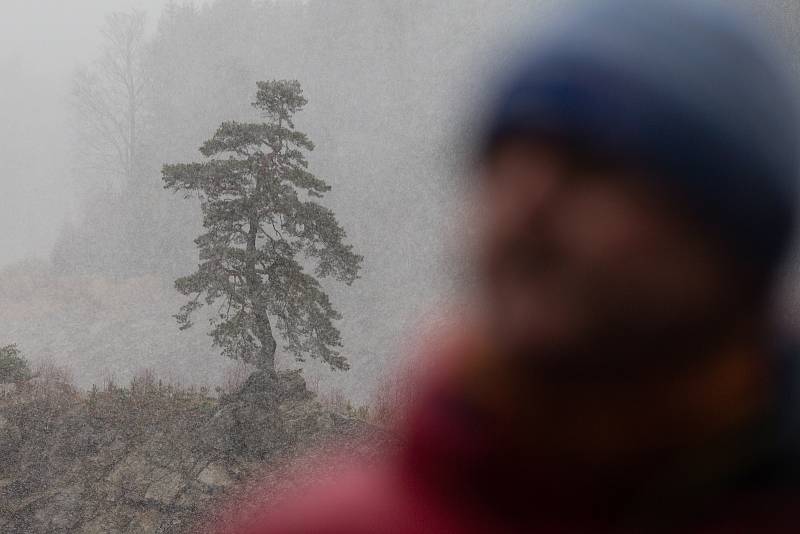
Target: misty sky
[125, 324]
[42, 41]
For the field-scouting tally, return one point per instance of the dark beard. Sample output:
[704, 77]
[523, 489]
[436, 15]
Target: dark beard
[624, 335]
[623, 353]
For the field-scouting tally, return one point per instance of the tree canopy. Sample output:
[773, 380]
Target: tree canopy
[264, 228]
[13, 365]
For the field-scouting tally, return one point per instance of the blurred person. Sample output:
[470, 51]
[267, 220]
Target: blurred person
[623, 371]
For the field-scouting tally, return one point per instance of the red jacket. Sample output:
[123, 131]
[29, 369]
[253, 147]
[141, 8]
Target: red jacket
[465, 468]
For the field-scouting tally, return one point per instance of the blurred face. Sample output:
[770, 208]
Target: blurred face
[581, 256]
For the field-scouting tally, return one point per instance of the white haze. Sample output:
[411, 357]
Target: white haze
[41, 43]
[388, 151]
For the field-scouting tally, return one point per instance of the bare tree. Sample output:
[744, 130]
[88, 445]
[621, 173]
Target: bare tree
[108, 97]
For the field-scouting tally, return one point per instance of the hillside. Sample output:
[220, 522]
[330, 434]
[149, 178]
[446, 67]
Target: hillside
[152, 457]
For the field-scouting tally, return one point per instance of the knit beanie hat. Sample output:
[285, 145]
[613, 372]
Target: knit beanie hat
[688, 91]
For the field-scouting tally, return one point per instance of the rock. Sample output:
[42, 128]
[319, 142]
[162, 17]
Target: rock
[215, 476]
[260, 389]
[62, 510]
[267, 388]
[130, 471]
[219, 433]
[166, 488]
[292, 386]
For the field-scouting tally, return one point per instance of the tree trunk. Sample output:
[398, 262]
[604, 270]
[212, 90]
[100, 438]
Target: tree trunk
[266, 355]
[263, 330]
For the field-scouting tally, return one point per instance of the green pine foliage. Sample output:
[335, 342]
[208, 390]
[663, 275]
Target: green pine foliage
[263, 226]
[13, 365]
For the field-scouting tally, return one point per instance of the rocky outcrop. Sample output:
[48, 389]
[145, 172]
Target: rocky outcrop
[154, 459]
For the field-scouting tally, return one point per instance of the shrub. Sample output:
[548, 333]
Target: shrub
[234, 377]
[51, 381]
[13, 366]
[392, 399]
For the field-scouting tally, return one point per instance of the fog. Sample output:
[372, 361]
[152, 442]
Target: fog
[90, 254]
[389, 84]
[117, 414]
[42, 43]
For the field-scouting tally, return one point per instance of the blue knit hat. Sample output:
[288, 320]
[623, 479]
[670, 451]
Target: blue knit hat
[690, 92]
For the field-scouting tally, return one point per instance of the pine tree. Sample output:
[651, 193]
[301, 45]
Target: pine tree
[263, 227]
